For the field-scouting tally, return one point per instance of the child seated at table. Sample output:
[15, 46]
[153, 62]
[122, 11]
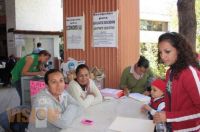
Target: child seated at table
[157, 98]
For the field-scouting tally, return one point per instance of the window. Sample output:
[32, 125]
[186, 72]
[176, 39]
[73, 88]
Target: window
[148, 25]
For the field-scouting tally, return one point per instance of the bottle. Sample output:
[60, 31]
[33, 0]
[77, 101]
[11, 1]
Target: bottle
[160, 127]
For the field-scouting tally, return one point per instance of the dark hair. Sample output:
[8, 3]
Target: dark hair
[45, 53]
[39, 44]
[81, 66]
[143, 62]
[186, 56]
[46, 79]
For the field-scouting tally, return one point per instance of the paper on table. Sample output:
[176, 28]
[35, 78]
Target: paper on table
[140, 97]
[124, 124]
[116, 93]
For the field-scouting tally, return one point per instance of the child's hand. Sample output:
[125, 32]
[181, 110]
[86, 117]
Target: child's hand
[145, 108]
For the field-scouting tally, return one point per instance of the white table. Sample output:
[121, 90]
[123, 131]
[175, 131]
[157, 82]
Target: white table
[104, 114]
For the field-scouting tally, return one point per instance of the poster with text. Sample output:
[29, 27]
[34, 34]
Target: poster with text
[75, 32]
[36, 87]
[105, 29]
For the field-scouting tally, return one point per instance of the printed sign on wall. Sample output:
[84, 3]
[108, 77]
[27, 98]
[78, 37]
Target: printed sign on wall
[75, 32]
[105, 29]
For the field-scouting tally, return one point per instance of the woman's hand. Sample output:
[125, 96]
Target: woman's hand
[53, 114]
[159, 117]
[90, 93]
[147, 93]
[126, 91]
[42, 73]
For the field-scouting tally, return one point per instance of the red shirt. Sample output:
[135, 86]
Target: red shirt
[185, 102]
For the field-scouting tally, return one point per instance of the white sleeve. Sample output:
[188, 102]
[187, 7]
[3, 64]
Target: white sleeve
[98, 97]
[76, 92]
[161, 106]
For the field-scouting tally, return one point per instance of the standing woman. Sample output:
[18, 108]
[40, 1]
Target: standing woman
[182, 95]
[30, 65]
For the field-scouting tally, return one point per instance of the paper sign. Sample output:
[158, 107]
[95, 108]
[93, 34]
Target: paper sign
[36, 86]
[105, 29]
[75, 32]
[123, 124]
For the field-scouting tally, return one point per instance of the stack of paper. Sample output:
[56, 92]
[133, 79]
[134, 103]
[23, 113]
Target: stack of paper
[123, 124]
[116, 93]
[140, 97]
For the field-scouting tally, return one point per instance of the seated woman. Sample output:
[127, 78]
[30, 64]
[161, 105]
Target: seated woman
[83, 89]
[53, 108]
[136, 78]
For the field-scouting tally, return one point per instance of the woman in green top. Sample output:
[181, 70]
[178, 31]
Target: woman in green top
[29, 65]
[136, 78]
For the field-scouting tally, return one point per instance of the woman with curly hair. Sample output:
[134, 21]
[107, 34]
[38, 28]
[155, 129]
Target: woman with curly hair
[182, 95]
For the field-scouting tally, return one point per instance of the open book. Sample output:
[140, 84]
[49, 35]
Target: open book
[140, 97]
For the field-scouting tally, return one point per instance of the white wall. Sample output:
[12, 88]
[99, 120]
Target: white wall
[39, 15]
[156, 9]
[149, 36]
[35, 15]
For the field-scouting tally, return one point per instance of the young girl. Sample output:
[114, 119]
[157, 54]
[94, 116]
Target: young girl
[157, 98]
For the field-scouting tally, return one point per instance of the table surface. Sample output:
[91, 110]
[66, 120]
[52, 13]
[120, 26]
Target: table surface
[105, 113]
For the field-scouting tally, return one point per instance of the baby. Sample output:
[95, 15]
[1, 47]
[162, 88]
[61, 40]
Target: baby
[157, 98]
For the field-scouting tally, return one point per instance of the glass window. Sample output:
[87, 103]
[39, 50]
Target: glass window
[148, 25]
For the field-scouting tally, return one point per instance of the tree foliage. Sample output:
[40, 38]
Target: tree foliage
[150, 51]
